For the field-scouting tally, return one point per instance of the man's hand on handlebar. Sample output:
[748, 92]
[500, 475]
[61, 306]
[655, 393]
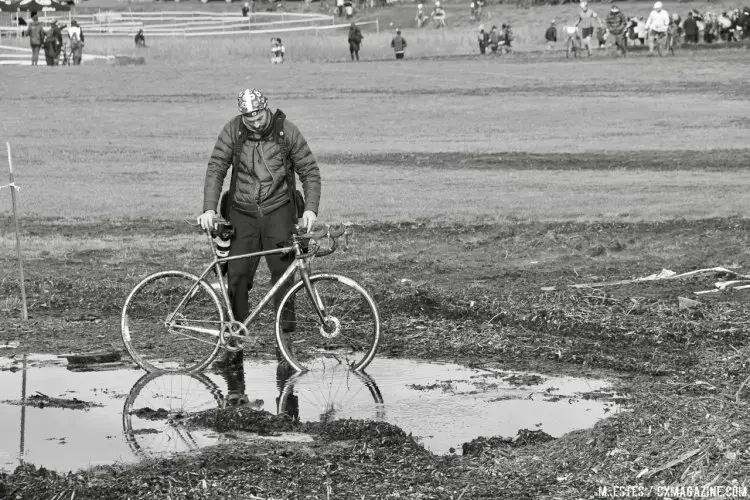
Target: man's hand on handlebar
[206, 219]
[308, 220]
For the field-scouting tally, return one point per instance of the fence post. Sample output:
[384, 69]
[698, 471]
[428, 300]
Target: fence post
[377, 25]
[13, 188]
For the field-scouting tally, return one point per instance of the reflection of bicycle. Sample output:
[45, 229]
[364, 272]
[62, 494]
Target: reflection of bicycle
[329, 388]
[153, 416]
[175, 321]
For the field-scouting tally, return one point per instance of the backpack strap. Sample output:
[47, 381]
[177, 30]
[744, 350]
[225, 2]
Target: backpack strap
[225, 204]
[278, 133]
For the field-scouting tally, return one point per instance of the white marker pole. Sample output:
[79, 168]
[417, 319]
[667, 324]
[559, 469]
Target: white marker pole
[12, 186]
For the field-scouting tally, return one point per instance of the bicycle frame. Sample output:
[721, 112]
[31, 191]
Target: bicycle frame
[300, 263]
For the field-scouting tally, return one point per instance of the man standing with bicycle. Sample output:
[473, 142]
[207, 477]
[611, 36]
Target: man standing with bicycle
[265, 150]
[657, 24]
[586, 23]
[617, 23]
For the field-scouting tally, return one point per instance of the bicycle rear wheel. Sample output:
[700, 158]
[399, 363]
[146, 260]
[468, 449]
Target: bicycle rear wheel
[349, 330]
[161, 337]
[328, 391]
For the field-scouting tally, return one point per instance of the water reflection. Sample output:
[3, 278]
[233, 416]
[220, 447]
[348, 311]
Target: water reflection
[155, 412]
[128, 415]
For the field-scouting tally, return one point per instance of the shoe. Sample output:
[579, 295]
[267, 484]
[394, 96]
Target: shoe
[229, 360]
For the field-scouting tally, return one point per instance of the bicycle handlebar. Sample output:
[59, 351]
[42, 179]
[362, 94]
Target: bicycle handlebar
[332, 233]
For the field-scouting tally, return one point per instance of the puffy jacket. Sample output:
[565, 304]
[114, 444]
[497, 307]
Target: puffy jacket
[355, 36]
[616, 23]
[36, 33]
[261, 178]
[398, 43]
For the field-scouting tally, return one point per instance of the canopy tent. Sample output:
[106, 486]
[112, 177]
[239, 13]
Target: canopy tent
[8, 6]
[33, 6]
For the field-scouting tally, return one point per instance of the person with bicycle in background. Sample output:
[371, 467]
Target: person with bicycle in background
[657, 24]
[262, 148]
[586, 23]
[439, 15]
[617, 25]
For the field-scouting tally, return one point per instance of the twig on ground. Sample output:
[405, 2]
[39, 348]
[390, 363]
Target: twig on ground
[685, 456]
[742, 386]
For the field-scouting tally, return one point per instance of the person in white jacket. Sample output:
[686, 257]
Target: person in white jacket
[657, 24]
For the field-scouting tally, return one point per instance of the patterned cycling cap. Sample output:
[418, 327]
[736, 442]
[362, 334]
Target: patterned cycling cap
[251, 102]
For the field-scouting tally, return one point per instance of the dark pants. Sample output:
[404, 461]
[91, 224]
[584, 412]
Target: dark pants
[35, 54]
[482, 48]
[354, 50]
[399, 55]
[77, 54]
[254, 234]
[50, 54]
[691, 37]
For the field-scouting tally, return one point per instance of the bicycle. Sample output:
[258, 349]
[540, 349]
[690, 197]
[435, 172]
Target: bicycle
[664, 42]
[573, 43]
[175, 321]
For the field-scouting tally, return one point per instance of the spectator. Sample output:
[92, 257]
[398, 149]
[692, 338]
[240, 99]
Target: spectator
[691, 29]
[657, 24]
[506, 38]
[483, 38]
[277, 51]
[246, 9]
[550, 36]
[76, 42]
[140, 38]
[52, 44]
[339, 8]
[494, 39]
[438, 14]
[586, 23]
[421, 17]
[399, 45]
[36, 38]
[348, 9]
[617, 25]
[67, 56]
[355, 40]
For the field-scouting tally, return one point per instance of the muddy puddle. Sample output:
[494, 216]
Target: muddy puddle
[66, 420]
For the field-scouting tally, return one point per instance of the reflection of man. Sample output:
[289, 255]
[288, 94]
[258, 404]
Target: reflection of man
[235, 379]
[291, 405]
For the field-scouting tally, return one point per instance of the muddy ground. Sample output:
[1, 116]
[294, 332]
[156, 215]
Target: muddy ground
[471, 294]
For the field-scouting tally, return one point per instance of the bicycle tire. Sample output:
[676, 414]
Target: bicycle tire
[307, 339]
[660, 49]
[157, 346]
[179, 394]
[326, 390]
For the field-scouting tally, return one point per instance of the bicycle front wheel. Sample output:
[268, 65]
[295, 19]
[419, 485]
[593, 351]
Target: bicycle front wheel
[170, 325]
[155, 412]
[336, 318]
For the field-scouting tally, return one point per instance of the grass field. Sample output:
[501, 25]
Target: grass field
[142, 136]
[472, 183]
